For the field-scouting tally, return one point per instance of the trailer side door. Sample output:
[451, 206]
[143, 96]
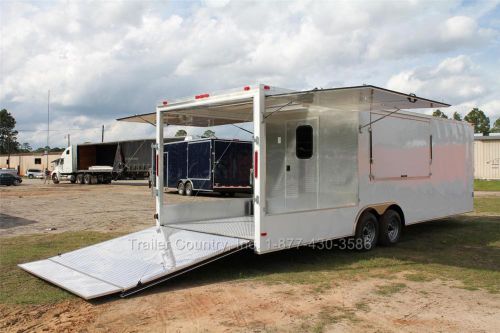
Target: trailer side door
[301, 174]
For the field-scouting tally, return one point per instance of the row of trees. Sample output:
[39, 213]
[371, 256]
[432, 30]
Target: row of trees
[8, 137]
[9, 143]
[206, 134]
[477, 118]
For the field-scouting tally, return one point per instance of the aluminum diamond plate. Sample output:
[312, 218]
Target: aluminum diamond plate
[126, 262]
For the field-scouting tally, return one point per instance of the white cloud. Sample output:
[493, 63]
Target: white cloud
[455, 80]
[107, 59]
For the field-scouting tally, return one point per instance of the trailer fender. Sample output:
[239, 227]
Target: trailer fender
[378, 210]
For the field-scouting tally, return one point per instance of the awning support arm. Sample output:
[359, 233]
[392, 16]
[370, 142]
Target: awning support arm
[146, 120]
[281, 107]
[241, 128]
[373, 122]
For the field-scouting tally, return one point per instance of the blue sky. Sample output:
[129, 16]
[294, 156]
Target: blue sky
[104, 60]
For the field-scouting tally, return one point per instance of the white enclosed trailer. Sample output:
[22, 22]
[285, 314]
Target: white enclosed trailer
[328, 164]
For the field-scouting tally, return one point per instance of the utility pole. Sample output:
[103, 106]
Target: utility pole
[48, 128]
[102, 134]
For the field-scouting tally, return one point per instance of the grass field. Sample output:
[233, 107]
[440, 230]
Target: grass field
[464, 250]
[486, 185]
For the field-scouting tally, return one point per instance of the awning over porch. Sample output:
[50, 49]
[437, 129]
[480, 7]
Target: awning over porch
[233, 108]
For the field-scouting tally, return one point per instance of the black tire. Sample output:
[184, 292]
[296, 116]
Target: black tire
[55, 180]
[189, 189]
[72, 179]
[181, 189]
[391, 227]
[16, 183]
[30, 177]
[79, 178]
[367, 230]
[87, 179]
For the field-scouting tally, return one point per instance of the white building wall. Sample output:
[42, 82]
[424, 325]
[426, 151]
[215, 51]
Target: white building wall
[25, 161]
[487, 159]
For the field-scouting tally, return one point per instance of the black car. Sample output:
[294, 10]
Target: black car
[9, 179]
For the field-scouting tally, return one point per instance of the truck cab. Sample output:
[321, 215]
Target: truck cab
[64, 166]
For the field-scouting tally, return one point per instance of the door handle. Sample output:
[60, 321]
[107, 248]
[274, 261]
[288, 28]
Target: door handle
[287, 168]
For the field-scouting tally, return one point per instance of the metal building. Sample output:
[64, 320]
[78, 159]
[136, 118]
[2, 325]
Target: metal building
[25, 161]
[487, 157]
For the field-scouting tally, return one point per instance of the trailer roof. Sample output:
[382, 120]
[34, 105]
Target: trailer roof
[237, 106]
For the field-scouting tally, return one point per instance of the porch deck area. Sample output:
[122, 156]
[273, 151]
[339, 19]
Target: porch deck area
[239, 227]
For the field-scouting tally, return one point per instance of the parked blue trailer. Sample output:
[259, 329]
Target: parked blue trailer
[209, 165]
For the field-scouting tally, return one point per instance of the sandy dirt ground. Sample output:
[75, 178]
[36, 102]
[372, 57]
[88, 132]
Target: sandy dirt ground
[486, 193]
[254, 307]
[227, 306]
[124, 206]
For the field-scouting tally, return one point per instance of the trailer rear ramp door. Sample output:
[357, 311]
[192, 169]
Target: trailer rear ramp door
[133, 262]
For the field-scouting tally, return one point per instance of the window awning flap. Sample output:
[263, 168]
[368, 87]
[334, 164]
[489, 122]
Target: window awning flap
[239, 110]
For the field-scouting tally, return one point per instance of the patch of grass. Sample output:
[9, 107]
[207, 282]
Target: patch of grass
[487, 205]
[389, 289]
[320, 288]
[18, 286]
[362, 306]
[418, 277]
[486, 185]
[327, 316]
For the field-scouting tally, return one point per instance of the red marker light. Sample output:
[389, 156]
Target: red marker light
[165, 102]
[201, 96]
[267, 88]
[246, 88]
[256, 164]
[156, 165]
[263, 234]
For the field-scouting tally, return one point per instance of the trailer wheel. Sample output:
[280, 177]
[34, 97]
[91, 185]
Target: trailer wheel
[366, 232]
[87, 179]
[390, 228]
[181, 189]
[79, 178]
[189, 189]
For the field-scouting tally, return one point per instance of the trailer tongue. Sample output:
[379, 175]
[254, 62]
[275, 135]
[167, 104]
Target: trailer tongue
[133, 262]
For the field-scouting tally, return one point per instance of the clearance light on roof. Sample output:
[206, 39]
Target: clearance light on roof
[201, 96]
[165, 102]
[267, 88]
[256, 164]
[246, 88]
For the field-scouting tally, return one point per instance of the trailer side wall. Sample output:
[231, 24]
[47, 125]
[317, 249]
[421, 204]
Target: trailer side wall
[434, 180]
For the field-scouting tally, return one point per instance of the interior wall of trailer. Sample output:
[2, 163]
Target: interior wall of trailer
[325, 177]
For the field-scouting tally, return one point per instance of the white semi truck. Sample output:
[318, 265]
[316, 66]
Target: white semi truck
[99, 163]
